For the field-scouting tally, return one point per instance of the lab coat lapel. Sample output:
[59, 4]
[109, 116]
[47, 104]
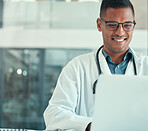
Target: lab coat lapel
[130, 68]
[103, 64]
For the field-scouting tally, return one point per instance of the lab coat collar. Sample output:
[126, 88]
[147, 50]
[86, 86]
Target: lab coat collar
[130, 68]
[103, 64]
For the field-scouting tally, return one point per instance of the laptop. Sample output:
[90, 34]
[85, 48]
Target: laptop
[121, 103]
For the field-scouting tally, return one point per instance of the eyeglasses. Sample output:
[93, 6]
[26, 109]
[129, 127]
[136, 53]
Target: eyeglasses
[113, 25]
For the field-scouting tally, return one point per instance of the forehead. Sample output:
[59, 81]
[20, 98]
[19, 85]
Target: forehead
[119, 14]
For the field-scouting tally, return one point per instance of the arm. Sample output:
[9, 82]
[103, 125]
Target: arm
[61, 111]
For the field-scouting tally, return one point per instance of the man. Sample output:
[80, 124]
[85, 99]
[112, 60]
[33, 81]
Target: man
[72, 103]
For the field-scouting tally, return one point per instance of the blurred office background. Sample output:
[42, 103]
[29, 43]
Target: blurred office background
[38, 38]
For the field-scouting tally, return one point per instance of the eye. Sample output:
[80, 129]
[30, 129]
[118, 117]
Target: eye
[112, 26]
[128, 25]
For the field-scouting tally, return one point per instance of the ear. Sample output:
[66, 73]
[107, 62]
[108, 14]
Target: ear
[99, 26]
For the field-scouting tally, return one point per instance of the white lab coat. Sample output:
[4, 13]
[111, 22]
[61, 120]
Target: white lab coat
[72, 103]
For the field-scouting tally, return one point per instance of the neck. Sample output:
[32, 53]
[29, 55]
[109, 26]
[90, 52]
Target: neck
[116, 57]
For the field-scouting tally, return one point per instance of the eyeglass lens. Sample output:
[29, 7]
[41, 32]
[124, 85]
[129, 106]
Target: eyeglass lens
[127, 26]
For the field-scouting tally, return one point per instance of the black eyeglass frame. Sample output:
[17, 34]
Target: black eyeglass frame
[119, 23]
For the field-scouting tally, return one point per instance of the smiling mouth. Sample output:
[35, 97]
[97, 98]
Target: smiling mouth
[119, 40]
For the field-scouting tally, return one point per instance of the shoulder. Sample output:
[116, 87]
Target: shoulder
[140, 58]
[143, 59]
[81, 62]
[79, 66]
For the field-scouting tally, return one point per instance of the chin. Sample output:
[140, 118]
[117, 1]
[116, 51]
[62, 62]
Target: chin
[120, 50]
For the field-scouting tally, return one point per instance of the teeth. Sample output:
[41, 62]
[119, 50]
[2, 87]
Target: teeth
[119, 40]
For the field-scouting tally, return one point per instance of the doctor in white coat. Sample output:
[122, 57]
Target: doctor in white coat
[72, 103]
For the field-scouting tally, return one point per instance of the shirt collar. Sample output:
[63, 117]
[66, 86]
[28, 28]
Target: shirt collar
[128, 55]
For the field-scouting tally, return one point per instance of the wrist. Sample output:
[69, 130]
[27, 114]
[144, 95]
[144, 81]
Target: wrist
[88, 127]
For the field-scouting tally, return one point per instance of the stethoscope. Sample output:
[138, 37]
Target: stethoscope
[100, 71]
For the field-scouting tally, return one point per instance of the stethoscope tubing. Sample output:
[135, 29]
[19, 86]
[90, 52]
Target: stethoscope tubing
[99, 67]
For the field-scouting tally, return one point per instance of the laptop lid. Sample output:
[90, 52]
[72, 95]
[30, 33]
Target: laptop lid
[121, 103]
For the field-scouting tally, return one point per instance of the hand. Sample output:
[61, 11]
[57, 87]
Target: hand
[88, 127]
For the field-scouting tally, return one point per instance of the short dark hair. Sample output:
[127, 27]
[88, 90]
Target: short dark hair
[115, 4]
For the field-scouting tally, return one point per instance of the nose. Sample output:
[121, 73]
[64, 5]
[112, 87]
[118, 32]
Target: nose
[120, 31]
